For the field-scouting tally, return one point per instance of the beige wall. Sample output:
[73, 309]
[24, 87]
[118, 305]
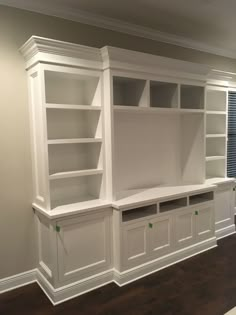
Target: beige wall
[18, 251]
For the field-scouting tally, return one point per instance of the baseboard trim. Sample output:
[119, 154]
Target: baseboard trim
[67, 292]
[17, 281]
[229, 230]
[125, 277]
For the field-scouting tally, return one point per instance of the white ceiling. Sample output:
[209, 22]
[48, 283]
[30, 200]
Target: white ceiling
[207, 25]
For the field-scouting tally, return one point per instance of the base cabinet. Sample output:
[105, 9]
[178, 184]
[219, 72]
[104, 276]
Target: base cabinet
[84, 246]
[205, 227]
[224, 208]
[76, 248]
[146, 238]
[185, 228]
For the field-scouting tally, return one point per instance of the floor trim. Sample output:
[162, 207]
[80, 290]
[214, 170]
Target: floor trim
[67, 292]
[229, 230]
[17, 281]
[125, 277]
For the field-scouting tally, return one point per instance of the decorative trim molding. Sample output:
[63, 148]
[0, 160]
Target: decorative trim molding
[229, 230]
[18, 280]
[125, 277]
[84, 17]
[67, 292]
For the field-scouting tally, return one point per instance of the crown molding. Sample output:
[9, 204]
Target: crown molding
[40, 49]
[118, 26]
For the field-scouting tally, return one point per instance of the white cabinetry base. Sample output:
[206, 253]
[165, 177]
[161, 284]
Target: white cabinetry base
[122, 278]
[67, 292]
[64, 293]
[225, 231]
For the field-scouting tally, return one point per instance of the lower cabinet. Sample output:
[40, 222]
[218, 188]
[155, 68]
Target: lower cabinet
[76, 247]
[146, 238]
[84, 246]
[193, 225]
[224, 206]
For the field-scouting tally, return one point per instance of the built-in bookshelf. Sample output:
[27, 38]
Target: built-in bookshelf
[216, 131]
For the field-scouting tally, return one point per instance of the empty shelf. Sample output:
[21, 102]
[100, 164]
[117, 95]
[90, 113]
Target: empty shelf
[75, 173]
[73, 107]
[80, 140]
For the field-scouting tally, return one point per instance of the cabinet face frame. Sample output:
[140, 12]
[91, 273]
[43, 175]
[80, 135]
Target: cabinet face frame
[104, 219]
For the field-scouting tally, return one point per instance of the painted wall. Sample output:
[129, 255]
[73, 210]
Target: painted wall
[18, 246]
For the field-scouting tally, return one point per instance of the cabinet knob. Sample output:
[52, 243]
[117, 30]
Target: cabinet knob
[58, 229]
[150, 225]
[196, 212]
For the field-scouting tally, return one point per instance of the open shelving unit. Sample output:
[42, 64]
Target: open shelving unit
[216, 131]
[71, 109]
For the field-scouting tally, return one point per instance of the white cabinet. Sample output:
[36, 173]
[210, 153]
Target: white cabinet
[224, 208]
[194, 224]
[84, 246]
[146, 238]
[185, 228]
[160, 235]
[135, 243]
[205, 223]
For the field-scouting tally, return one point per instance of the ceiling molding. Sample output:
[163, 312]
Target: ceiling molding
[117, 25]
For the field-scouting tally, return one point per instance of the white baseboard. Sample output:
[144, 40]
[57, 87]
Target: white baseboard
[18, 280]
[64, 293]
[67, 292]
[125, 277]
[229, 230]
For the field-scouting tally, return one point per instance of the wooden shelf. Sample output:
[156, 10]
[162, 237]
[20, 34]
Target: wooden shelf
[215, 112]
[72, 107]
[80, 140]
[216, 135]
[157, 110]
[214, 158]
[75, 174]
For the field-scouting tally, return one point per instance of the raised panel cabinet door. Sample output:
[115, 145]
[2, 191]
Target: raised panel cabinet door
[185, 228]
[135, 243]
[84, 246]
[160, 235]
[205, 223]
[224, 208]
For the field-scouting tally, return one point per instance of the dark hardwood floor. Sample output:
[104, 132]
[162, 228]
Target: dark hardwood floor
[202, 285]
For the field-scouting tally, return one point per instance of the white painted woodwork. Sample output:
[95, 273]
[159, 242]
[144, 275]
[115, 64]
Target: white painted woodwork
[84, 246]
[185, 227]
[192, 97]
[139, 133]
[205, 223]
[161, 236]
[135, 243]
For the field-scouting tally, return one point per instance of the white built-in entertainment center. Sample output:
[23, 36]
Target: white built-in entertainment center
[129, 158]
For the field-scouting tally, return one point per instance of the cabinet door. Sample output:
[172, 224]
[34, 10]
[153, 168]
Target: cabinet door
[160, 235]
[205, 223]
[84, 246]
[135, 243]
[185, 228]
[224, 207]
